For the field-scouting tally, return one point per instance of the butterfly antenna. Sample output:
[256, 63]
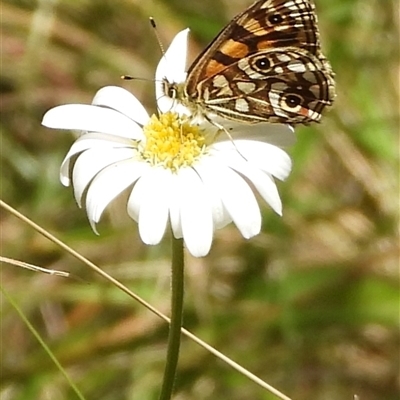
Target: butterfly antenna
[131, 78]
[154, 26]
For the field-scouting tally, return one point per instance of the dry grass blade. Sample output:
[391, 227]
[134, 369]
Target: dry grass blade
[35, 268]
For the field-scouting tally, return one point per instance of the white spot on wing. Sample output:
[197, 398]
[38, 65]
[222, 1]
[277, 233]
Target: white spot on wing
[297, 66]
[241, 105]
[246, 87]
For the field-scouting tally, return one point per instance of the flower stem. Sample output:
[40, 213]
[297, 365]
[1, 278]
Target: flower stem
[174, 337]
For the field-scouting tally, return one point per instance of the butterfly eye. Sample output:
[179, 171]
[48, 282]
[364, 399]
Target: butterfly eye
[263, 63]
[275, 19]
[171, 92]
[170, 89]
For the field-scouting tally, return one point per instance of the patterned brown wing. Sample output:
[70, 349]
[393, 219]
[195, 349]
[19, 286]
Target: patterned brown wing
[284, 85]
[264, 25]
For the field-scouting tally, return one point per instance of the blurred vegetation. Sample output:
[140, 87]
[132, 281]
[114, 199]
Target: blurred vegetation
[311, 305]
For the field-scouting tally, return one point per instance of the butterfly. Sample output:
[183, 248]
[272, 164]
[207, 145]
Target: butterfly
[266, 65]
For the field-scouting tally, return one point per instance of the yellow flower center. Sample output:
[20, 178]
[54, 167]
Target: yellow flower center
[172, 142]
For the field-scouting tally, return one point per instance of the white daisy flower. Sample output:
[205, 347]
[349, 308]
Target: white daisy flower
[178, 173]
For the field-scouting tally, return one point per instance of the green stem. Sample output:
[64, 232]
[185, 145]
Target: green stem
[174, 337]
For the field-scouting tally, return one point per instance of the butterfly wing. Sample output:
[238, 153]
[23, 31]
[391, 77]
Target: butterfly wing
[283, 85]
[264, 25]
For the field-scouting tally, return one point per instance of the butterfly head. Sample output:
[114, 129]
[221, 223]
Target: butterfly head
[173, 90]
[181, 102]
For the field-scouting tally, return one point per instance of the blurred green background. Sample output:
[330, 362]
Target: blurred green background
[311, 305]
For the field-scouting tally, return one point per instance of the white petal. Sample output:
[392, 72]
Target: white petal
[220, 215]
[87, 141]
[280, 135]
[123, 101]
[173, 63]
[236, 196]
[196, 215]
[136, 198]
[108, 184]
[92, 118]
[153, 211]
[91, 162]
[267, 157]
[262, 181]
[172, 67]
